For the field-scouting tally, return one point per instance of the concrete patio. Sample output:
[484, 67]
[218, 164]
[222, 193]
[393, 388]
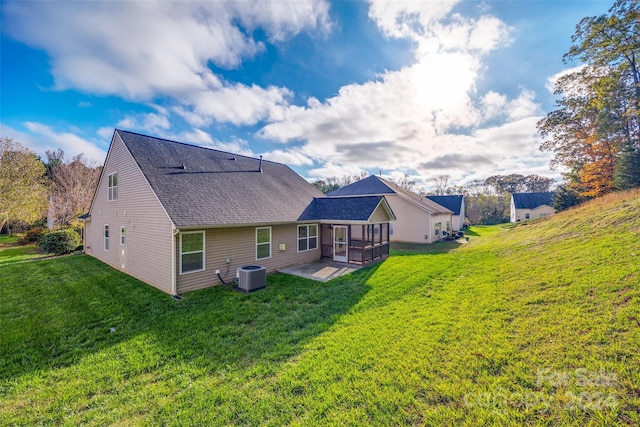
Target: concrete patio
[322, 271]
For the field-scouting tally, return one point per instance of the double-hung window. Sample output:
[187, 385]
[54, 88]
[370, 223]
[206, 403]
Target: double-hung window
[307, 237]
[191, 251]
[113, 186]
[122, 235]
[263, 242]
[106, 237]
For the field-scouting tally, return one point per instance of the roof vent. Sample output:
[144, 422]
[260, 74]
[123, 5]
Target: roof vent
[183, 166]
[260, 166]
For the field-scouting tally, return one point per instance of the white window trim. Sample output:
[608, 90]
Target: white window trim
[123, 231]
[106, 239]
[308, 237]
[109, 188]
[270, 241]
[204, 246]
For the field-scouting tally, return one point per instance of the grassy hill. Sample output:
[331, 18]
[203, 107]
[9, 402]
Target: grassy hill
[536, 324]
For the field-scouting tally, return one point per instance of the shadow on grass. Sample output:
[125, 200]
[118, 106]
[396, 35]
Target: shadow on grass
[55, 312]
[441, 247]
[470, 232]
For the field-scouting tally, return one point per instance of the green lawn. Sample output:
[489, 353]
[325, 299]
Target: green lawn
[11, 251]
[536, 324]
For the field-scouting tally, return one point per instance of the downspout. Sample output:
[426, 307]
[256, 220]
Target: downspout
[174, 233]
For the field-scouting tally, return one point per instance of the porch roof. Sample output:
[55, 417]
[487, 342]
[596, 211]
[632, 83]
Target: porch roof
[345, 209]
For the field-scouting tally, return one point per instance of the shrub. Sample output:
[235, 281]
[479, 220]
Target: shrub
[60, 242]
[33, 235]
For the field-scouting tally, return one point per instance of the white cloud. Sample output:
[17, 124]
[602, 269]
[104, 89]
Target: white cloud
[43, 138]
[289, 157]
[144, 50]
[150, 122]
[425, 118]
[551, 81]
[237, 104]
[434, 29]
[524, 106]
[329, 170]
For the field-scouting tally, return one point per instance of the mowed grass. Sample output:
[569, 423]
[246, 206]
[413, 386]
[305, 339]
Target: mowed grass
[11, 251]
[533, 324]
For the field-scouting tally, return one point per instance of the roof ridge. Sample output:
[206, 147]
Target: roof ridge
[197, 146]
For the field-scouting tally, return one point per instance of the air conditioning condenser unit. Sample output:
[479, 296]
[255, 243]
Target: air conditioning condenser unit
[252, 277]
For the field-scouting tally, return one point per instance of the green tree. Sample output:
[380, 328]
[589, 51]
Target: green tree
[627, 172]
[566, 197]
[599, 106]
[23, 194]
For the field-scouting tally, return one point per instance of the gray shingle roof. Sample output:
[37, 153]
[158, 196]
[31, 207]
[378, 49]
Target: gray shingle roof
[204, 187]
[532, 200]
[374, 185]
[367, 186]
[453, 203]
[342, 208]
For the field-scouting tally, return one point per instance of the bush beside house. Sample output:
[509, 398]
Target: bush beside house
[60, 242]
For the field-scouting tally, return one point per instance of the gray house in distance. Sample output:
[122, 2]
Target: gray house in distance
[173, 214]
[526, 206]
[455, 203]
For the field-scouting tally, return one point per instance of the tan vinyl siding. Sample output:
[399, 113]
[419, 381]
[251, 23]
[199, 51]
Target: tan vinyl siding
[380, 215]
[412, 223]
[442, 219]
[239, 244]
[146, 254]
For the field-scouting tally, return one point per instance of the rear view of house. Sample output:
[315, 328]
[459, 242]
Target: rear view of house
[419, 220]
[455, 203]
[526, 206]
[180, 217]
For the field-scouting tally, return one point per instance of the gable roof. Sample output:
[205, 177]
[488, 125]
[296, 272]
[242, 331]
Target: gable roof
[345, 209]
[371, 185]
[532, 200]
[374, 185]
[204, 187]
[452, 202]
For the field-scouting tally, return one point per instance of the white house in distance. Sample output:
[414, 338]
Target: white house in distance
[418, 219]
[526, 206]
[454, 203]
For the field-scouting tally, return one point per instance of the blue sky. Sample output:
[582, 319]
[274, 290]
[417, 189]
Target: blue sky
[422, 88]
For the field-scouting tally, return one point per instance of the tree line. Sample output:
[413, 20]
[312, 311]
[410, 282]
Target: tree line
[37, 192]
[594, 132]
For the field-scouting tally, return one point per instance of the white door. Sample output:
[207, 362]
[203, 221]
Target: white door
[340, 243]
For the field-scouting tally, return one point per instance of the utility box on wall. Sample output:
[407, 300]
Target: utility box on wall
[252, 277]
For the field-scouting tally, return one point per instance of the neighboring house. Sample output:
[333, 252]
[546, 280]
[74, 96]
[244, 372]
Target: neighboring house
[174, 214]
[418, 219]
[526, 206]
[454, 203]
